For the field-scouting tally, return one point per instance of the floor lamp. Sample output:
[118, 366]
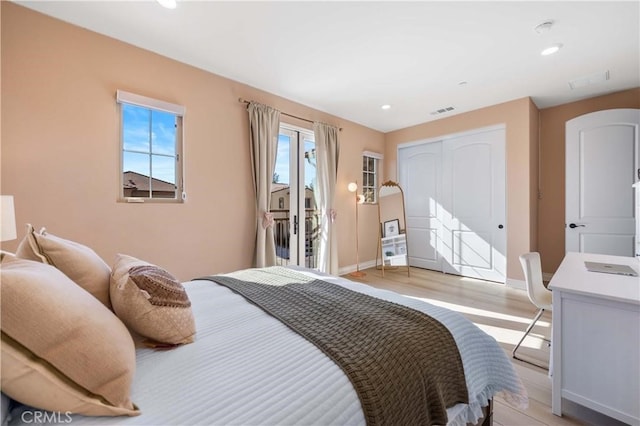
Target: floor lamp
[353, 187]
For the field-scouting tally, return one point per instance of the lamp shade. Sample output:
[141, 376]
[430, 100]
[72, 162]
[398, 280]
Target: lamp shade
[8, 218]
[352, 187]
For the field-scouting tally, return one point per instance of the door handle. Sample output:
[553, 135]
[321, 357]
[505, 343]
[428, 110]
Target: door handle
[500, 226]
[573, 225]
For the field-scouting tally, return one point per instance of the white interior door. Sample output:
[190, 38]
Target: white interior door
[602, 163]
[473, 225]
[455, 204]
[420, 178]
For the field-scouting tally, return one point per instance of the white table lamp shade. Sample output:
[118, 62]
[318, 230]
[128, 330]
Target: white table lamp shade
[8, 218]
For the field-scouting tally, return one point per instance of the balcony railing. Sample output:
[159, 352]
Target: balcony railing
[282, 237]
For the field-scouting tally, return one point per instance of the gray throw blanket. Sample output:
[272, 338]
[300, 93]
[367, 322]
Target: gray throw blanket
[404, 365]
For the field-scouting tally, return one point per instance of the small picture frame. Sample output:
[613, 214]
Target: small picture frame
[392, 228]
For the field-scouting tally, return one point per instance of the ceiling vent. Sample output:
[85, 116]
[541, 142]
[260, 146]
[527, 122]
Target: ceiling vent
[544, 26]
[589, 79]
[442, 110]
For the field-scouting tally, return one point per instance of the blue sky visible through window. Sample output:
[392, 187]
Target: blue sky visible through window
[282, 161]
[149, 142]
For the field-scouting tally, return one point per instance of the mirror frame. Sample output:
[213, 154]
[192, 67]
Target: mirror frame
[379, 254]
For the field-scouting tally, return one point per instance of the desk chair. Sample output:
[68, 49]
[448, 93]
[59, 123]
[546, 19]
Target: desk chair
[538, 294]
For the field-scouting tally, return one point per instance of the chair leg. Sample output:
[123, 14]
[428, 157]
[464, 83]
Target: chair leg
[529, 328]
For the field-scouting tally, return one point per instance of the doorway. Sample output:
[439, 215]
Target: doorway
[602, 162]
[292, 198]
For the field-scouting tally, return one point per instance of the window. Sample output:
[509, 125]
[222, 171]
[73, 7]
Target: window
[151, 149]
[370, 164]
[281, 203]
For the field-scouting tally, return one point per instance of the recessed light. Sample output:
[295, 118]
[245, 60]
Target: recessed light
[386, 106]
[551, 49]
[169, 4]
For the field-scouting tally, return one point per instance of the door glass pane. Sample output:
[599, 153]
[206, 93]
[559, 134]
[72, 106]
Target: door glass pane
[280, 191]
[311, 214]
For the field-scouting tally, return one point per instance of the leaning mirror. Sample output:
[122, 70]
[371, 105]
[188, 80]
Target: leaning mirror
[392, 241]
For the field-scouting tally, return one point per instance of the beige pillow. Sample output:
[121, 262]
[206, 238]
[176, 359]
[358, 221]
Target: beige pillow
[62, 350]
[75, 260]
[151, 301]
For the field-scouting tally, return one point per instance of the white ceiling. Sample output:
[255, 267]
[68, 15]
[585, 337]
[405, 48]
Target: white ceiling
[349, 58]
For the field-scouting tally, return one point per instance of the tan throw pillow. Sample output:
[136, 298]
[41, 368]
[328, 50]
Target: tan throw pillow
[78, 262]
[62, 350]
[151, 301]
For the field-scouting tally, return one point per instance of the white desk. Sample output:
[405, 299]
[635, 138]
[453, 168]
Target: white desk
[596, 338]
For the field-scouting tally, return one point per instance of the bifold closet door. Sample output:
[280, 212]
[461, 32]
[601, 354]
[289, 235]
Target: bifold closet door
[455, 204]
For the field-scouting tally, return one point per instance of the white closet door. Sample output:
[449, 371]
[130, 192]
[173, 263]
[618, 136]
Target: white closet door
[473, 222]
[420, 177]
[602, 163]
[455, 204]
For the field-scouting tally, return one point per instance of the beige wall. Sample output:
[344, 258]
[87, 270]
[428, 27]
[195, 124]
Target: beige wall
[60, 150]
[552, 168]
[519, 118]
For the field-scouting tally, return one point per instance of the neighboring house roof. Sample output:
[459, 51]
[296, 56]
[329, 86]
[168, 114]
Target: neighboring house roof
[133, 180]
[279, 187]
[275, 187]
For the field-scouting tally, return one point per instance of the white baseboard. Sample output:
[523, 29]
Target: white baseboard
[352, 268]
[510, 282]
[521, 285]
[517, 284]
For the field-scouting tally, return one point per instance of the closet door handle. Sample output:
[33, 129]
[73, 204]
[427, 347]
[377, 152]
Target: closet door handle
[573, 225]
[500, 226]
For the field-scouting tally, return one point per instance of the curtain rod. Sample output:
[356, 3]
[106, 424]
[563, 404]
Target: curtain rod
[244, 101]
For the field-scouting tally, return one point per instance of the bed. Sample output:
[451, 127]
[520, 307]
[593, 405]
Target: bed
[246, 367]
[239, 352]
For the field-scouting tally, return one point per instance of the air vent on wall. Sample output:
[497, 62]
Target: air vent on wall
[589, 79]
[442, 110]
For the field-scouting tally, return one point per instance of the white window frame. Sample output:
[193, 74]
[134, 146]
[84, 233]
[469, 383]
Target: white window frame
[123, 97]
[370, 192]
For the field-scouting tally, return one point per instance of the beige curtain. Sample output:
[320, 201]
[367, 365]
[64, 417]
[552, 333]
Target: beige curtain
[264, 124]
[327, 153]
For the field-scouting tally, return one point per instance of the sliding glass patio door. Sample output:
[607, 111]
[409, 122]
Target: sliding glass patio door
[293, 202]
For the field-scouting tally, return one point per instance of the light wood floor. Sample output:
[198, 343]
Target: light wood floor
[502, 312]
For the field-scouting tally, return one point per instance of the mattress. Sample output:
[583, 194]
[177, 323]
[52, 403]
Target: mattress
[247, 368]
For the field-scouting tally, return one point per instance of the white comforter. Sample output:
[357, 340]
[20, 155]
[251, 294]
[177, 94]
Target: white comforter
[247, 368]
